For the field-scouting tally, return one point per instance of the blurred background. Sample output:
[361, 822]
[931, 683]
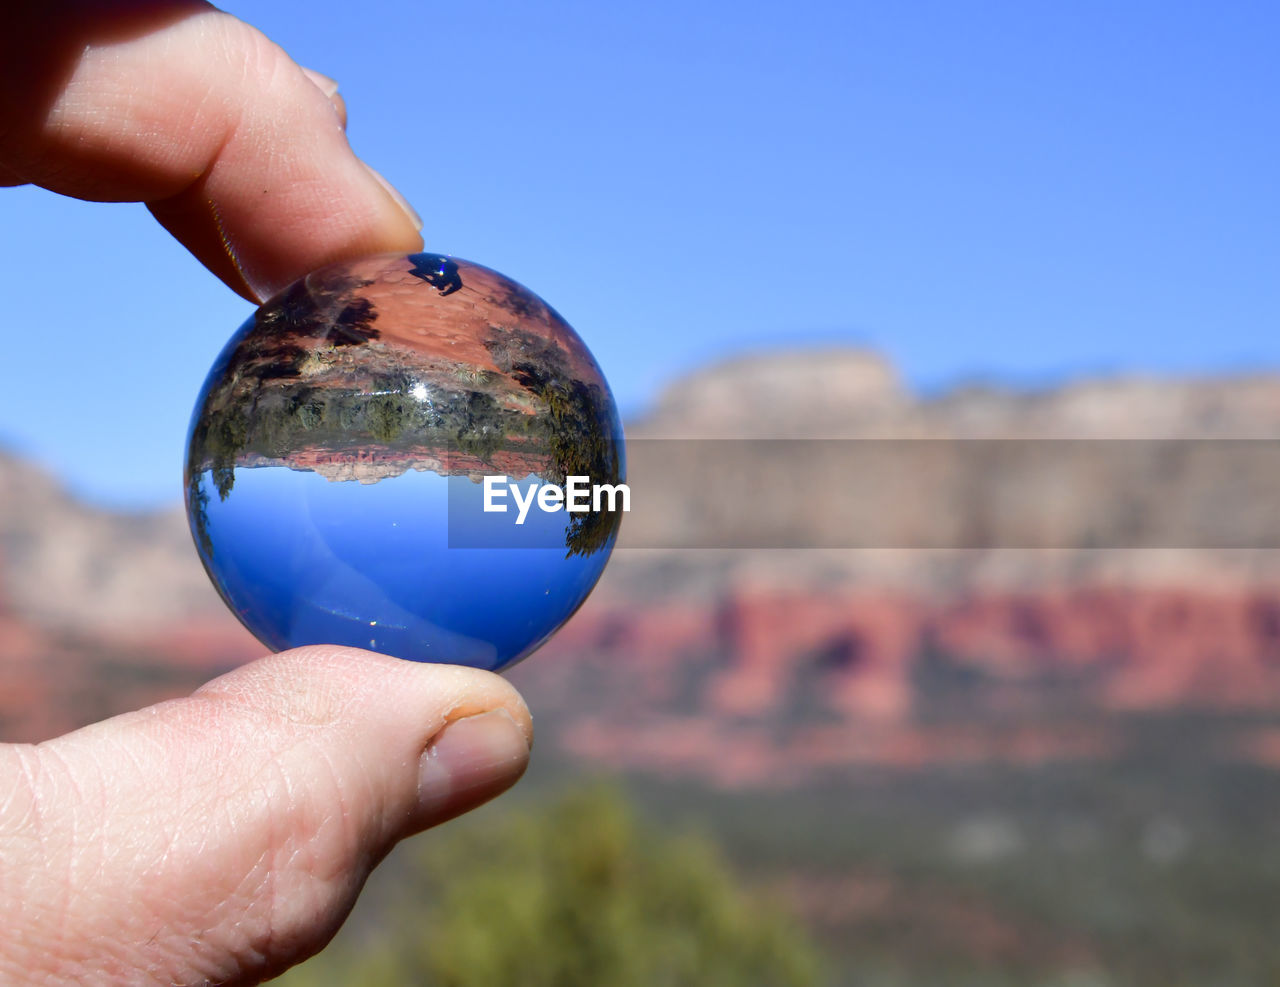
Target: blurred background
[888, 767]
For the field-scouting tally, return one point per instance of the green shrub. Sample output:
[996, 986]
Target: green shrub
[575, 894]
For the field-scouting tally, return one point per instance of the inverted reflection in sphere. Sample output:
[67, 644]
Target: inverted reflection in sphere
[336, 456]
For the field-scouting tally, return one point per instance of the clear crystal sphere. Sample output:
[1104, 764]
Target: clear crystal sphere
[337, 455]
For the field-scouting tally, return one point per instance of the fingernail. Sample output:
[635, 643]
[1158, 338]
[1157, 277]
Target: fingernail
[323, 82]
[469, 762]
[330, 88]
[397, 198]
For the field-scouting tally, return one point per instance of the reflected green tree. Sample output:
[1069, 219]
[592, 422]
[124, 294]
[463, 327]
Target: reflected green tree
[575, 423]
[225, 424]
[327, 312]
[576, 894]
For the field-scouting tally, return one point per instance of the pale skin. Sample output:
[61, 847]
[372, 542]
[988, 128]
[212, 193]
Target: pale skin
[222, 837]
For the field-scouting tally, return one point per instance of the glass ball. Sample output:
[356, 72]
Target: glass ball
[336, 464]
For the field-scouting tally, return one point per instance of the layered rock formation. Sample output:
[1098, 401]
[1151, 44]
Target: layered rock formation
[764, 666]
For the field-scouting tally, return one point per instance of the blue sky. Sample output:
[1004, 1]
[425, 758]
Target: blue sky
[1012, 191]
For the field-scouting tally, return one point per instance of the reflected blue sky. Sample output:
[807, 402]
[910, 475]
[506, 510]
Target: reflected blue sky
[305, 560]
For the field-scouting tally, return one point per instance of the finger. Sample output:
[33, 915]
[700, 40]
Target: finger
[223, 837]
[237, 150]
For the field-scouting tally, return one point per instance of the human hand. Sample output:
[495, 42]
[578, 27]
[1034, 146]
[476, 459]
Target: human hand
[238, 151]
[222, 837]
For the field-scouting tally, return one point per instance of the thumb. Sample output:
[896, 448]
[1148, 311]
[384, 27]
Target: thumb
[223, 837]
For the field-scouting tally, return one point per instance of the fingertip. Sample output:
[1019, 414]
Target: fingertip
[425, 742]
[401, 202]
[239, 152]
[470, 761]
